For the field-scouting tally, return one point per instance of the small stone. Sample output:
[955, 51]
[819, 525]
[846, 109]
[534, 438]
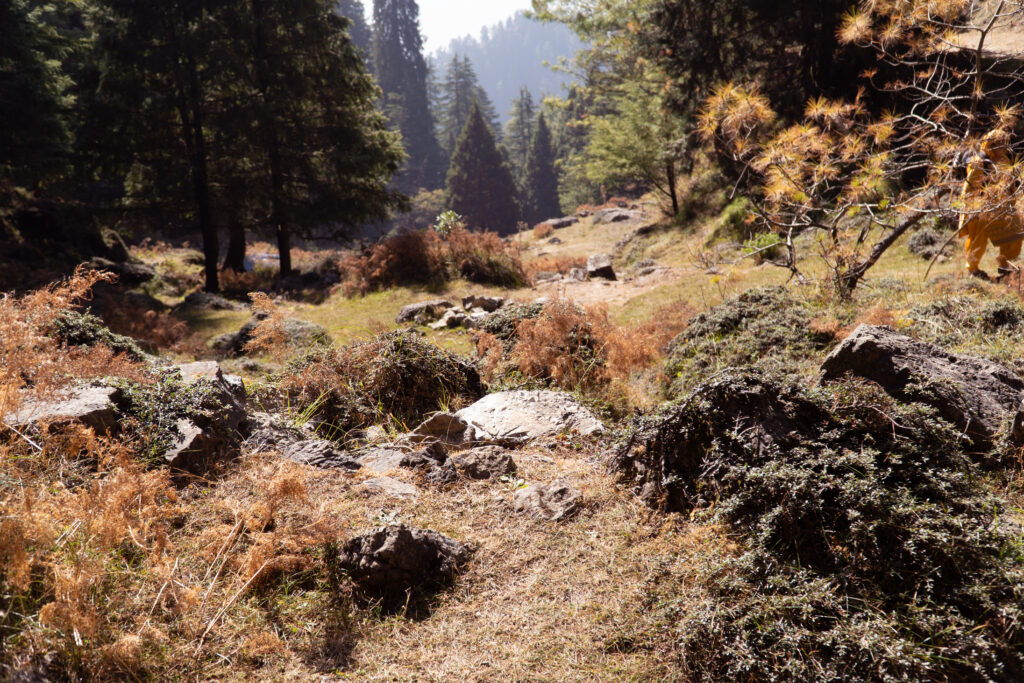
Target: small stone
[600, 266]
[485, 462]
[424, 311]
[553, 502]
[389, 487]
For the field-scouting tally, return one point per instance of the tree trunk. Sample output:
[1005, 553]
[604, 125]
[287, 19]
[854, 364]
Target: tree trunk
[200, 177]
[277, 217]
[670, 171]
[235, 258]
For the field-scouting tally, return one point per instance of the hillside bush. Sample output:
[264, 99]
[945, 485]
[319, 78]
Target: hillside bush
[394, 379]
[869, 548]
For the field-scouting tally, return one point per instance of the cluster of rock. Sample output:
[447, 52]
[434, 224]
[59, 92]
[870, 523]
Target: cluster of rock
[441, 314]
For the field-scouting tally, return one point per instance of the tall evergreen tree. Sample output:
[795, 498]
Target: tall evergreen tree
[457, 93]
[540, 187]
[358, 30]
[33, 135]
[161, 78]
[519, 132]
[325, 155]
[402, 74]
[480, 184]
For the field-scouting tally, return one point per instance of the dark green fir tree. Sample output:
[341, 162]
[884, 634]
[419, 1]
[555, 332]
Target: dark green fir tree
[480, 184]
[540, 183]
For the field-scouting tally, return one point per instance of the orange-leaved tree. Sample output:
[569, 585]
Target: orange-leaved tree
[860, 174]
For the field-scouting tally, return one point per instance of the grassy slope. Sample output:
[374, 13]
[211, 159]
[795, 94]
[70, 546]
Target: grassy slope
[590, 599]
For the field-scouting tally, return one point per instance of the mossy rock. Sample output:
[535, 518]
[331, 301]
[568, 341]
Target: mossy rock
[74, 328]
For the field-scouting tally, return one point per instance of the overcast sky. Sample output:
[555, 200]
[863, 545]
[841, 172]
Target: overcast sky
[442, 20]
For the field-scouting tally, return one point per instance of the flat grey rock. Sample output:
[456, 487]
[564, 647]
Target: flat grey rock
[517, 417]
[600, 266]
[553, 502]
[93, 406]
[321, 454]
[485, 462]
[389, 487]
[423, 312]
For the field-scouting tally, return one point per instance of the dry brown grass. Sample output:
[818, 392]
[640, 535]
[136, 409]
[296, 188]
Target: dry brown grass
[581, 349]
[555, 264]
[543, 230]
[423, 257]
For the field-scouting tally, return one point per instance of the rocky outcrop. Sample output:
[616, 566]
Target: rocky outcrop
[207, 301]
[605, 216]
[93, 406]
[488, 304]
[559, 223]
[600, 266]
[553, 502]
[444, 428]
[423, 312]
[485, 462]
[129, 273]
[211, 429]
[430, 460]
[517, 417]
[390, 561]
[980, 397]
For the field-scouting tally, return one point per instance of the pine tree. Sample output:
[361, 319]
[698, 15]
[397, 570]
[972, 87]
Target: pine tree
[480, 184]
[519, 132]
[161, 78]
[457, 93]
[540, 187]
[326, 156]
[34, 136]
[358, 30]
[402, 74]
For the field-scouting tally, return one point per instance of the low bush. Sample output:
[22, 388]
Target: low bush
[869, 548]
[542, 230]
[762, 328]
[394, 379]
[555, 264]
[424, 257]
[578, 348]
[75, 328]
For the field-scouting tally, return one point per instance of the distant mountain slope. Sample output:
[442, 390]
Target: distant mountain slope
[512, 54]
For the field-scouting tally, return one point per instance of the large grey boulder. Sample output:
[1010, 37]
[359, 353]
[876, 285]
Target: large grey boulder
[129, 273]
[613, 216]
[600, 266]
[553, 502]
[93, 406]
[978, 396]
[423, 312]
[322, 454]
[390, 561]
[516, 417]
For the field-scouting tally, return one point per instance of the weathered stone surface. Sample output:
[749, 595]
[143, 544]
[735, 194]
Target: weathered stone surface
[389, 487]
[93, 406]
[390, 561]
[600, 266]
[613, 216]
[451, 318]
[381, 459]
[521, 416]
[215, 432]
[546, 276]
[559, 223]
[322, 454]
[207, 301]
[977, 395]
[577, 274]
[450, 430]
[486, 303]
[270, 433]
[423, 312]
[553, 502]
[485, 462]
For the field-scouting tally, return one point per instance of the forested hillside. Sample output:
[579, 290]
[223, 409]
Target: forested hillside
[519, 52]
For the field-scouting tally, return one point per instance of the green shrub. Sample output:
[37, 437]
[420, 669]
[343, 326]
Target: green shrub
[74, 328]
